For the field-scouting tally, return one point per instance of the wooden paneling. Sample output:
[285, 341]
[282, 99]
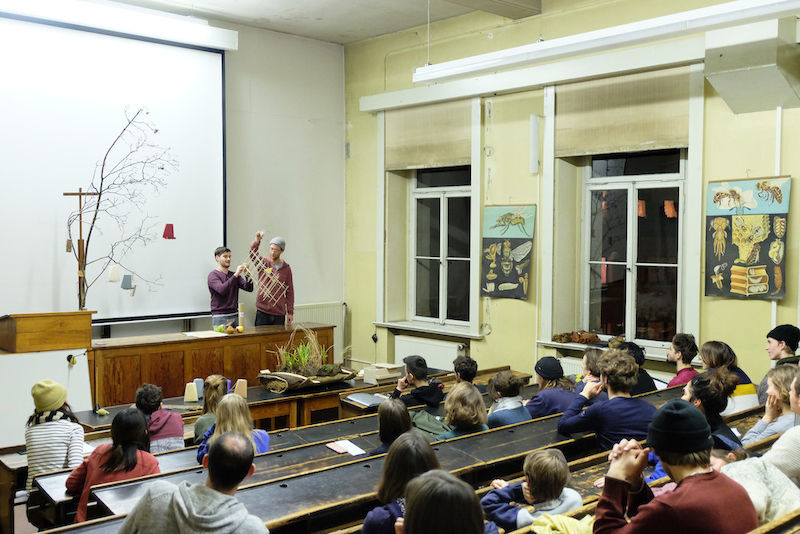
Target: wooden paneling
[164, 369]
[243, 361]
[204, 362]
[34, 332]
[121, 378]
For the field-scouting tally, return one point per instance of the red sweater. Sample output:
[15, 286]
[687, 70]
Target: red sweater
[90, 474]
[282, 302]
[707, 502]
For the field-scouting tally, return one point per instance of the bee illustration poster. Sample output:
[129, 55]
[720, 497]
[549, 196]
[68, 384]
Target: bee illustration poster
[746, 223]
[507, 250]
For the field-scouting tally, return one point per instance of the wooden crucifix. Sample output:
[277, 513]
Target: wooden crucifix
[81, 248]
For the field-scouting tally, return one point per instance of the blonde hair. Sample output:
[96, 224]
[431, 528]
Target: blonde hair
[548, 473]
[782, 377]
[233, 415]
[464, 406]
[214, 388]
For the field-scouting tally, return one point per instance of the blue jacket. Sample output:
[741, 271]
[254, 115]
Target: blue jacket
[550, 401]
[508, 417]
[612, 420]
[456, 433]
[380, 520]
[602, 396]
[260, 437]
[498, 506]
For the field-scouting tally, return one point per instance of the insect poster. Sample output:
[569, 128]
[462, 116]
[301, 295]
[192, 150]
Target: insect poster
[507, 250]
[746, 223]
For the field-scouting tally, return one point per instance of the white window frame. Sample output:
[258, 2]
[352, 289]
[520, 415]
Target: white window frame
[632, 184]
[442, 193]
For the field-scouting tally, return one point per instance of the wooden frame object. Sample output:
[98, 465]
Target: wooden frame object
[35, 332]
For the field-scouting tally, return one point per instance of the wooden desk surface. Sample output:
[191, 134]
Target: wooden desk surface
[180, 337]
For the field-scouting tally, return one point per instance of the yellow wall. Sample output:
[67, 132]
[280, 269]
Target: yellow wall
[734, 147]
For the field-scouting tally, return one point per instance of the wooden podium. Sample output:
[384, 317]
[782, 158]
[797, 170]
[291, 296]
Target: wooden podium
[37, 332]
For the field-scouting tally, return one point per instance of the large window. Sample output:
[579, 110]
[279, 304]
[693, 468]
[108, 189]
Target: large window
[440, 246]
[633, 226]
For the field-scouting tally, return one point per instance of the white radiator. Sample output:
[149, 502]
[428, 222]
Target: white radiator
[437, 353]
[326, 313]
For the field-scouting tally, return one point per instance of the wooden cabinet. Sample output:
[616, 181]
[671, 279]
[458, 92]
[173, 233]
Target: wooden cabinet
[118, 366]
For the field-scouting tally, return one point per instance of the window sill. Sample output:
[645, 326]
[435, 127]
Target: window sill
[651, 353]
[430, 328]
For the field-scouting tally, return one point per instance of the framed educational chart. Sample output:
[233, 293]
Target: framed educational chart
[507, 247]
[746, 222]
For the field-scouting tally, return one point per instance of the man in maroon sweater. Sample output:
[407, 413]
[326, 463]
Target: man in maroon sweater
[703, 501]
[277, 306]
[224, 287]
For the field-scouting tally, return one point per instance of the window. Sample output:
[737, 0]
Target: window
[632, 264]
[440, 246]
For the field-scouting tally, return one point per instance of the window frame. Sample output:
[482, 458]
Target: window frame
[632, 184]
[442, 193]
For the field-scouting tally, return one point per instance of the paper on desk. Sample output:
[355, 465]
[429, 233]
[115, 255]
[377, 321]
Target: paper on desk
[345, 445]
[87, 449]
[205, 333]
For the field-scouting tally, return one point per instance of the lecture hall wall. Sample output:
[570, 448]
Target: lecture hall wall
[733, 146]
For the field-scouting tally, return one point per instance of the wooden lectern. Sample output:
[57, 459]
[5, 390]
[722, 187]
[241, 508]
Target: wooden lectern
[36, 332]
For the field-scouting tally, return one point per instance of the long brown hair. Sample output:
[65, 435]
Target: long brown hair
[410, 455]
[438, 502]
[717, 354]
[393, 420]
[464, 406]
[233, 415]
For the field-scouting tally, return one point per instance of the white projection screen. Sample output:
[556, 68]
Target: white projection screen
[64, 94]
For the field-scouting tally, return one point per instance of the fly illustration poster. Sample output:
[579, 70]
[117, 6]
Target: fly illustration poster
[746, 223]
[507, 250]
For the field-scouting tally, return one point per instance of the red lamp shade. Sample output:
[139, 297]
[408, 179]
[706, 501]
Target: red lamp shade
[169, 231]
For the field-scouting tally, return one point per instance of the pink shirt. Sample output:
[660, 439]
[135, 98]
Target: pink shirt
[683, 376]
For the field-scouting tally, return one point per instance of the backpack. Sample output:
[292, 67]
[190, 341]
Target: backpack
[428, 425]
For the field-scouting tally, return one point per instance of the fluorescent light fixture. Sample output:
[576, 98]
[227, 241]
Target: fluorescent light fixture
[659, 28]
[124, 19]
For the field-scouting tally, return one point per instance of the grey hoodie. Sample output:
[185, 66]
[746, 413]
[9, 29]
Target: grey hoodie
[170, 509]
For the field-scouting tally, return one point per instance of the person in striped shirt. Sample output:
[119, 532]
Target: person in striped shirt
[53, 437]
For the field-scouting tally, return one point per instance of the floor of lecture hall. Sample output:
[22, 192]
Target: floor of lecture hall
[21, 525]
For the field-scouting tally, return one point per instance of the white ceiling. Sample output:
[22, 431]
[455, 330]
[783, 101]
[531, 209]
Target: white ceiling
[337, 21]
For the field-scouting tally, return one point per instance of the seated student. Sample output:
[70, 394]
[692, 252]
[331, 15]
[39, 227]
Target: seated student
[591, 373]
[703, 501]
[782, 343]
[507, 407]
[708, 392]
[771, 492]
[466, 369]
[716, 354]
[464, 411]
[555, 390]
[409, 456]
[125, 458]
[393, 420]
[428, 392]
[778, 414]
[233, 415]
[165, 428]
[53, 436]
[681, 352]
[783, 453]
[546, 477]
[214, 387]
[210, 507]
[620, 417]
[644, 383]
[437, 502]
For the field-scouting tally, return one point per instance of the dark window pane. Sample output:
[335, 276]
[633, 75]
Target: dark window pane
[657, 211]
[458, 227]
[609, 225]
[445, 177]
[656, 302]
[653, 162]
[427, 304]
[607, 299]
[458, 290]
[428, 227]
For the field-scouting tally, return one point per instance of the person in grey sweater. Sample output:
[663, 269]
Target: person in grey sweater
[187, 508]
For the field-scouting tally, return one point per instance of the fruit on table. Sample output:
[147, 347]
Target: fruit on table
[240, 329]
[219, 328]
[230, 330]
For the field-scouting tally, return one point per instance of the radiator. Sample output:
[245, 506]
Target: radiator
[327, 313]
[437, 353]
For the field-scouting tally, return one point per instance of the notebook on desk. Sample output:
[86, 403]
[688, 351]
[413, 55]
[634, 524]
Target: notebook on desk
[367, 400]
